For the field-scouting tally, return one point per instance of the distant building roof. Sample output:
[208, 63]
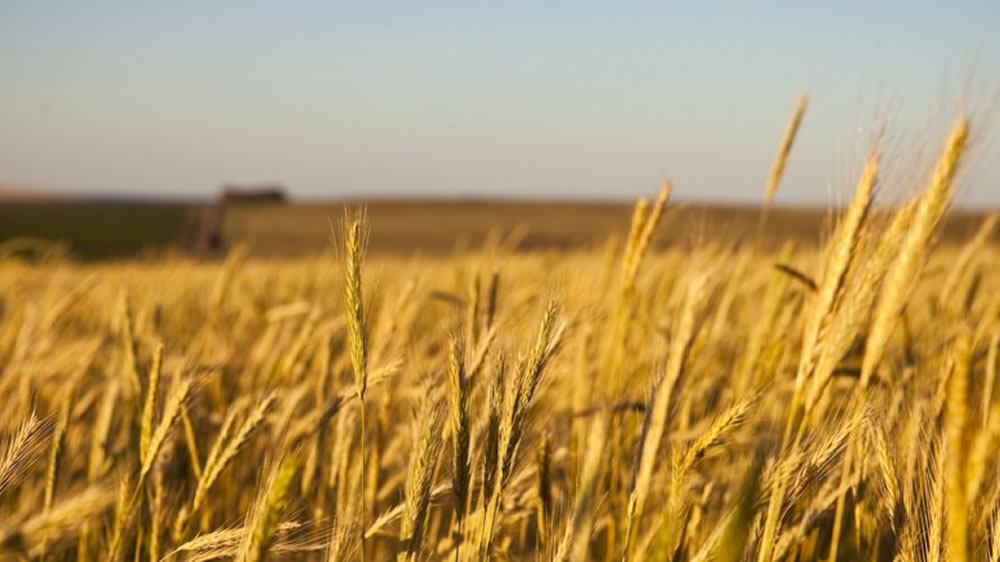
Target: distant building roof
[267, 193]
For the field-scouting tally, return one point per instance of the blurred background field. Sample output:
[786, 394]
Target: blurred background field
[96, 230]
[107, 230]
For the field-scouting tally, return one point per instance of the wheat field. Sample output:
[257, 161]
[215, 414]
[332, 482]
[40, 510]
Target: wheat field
[709, 402]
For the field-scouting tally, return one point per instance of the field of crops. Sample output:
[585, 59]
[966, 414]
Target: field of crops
[715, 402]
[97, 230]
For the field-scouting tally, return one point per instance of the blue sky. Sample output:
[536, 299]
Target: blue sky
[542, 99]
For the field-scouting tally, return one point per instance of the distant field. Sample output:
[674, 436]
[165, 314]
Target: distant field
[441, 228]
[98, 230]
[113, 230]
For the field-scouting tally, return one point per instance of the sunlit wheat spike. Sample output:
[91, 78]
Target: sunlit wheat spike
[355, 241]
[341, 545]
[268, 509]
[632, 242]
[220, 543]
[157, 514]
[833, 321]
[124, 510]
[131, 361]
[57, 450]
[149, 406]
[727, 422]
[491, 441]
[102, 425]
[290, 537]
[820, 505]
[520, 392]
[910, 255]
[217, 463]
[191, 441]
[22, 450]
[547, 342]
[171, 410]
[640, 244]
[801, 465]
[784, 149]
[222, 439]
[418, 483]
[843, 250]
[883, 459]
[458, 418]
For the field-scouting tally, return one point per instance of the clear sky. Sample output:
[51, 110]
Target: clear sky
[544, 98]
